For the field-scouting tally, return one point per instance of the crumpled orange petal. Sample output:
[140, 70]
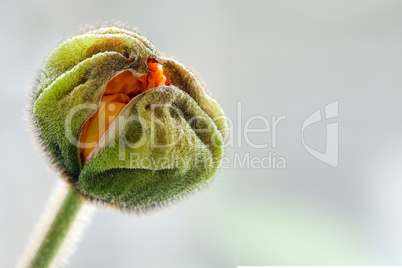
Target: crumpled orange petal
[118, 93]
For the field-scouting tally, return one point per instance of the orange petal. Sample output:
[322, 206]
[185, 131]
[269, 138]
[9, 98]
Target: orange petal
[118, 93]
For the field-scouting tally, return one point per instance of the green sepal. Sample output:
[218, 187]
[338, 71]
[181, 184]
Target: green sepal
[147, 176]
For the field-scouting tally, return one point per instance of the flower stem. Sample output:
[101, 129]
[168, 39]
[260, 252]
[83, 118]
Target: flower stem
[58, 230]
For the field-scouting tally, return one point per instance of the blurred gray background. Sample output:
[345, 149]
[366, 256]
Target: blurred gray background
[275, 57]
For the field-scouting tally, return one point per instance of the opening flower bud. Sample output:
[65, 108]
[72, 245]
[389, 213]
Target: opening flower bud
[124, 125]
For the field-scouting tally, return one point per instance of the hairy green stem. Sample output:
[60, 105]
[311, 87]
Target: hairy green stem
[58, 230]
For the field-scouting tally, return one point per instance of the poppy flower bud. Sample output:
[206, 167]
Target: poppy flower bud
[124, 125]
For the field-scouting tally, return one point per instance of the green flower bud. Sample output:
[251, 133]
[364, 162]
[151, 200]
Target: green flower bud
[166, 142]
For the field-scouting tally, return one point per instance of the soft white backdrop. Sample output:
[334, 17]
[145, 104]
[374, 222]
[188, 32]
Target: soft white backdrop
[275, 57]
